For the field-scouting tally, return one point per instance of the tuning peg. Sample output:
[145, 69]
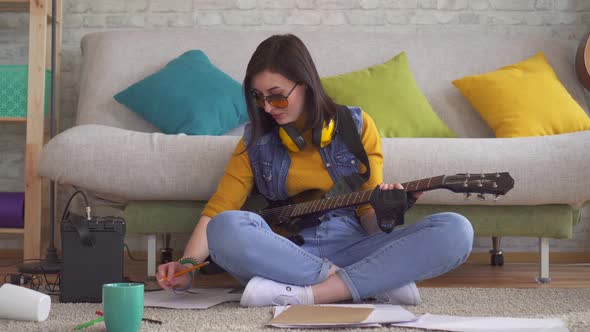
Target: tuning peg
[481, 197]
[467, 196]
[496, 196]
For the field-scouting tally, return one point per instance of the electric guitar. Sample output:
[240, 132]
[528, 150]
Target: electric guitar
[289, 216]
[583, 62]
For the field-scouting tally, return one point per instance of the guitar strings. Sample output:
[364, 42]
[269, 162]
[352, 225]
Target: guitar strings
[308, 207]
[288, 209]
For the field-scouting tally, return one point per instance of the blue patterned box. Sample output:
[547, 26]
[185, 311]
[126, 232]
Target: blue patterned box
[13, 91]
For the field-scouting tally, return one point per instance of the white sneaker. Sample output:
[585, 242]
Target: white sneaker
[260, 292]
[407, 294]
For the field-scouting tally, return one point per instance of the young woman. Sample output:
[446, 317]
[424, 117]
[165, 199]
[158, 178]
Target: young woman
[346, 256]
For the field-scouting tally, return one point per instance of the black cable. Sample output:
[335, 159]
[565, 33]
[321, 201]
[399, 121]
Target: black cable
[35, 281]
[131, 257]
[35, 285]
[53, 103]
[67, 208]
[20, 262]
[53, 67]
[51, 287]
[129, 280]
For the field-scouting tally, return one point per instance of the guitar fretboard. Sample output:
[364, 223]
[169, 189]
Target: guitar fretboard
[342, 201]
[424, 184]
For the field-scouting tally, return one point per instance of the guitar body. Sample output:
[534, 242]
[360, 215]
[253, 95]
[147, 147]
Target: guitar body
[583, 62]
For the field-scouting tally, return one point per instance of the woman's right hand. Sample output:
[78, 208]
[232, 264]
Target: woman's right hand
[168, 270]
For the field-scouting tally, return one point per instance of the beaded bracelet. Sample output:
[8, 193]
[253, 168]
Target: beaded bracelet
[189, 260]
[193, 262]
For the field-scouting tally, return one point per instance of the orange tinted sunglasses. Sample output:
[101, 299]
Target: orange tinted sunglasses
[275, 100]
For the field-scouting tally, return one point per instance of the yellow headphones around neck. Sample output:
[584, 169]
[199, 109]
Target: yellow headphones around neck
[294, 141]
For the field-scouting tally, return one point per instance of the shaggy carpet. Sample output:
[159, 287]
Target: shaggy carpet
[571, 305]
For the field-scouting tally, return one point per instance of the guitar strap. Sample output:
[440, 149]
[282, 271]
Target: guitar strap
[347, 184]
[353, 142]
[345, 125]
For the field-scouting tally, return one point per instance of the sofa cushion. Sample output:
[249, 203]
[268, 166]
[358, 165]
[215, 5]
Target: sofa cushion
[152, 166]
[555, 221]
[524, 99]
[389, 94]
[153, 217]
[189, 95]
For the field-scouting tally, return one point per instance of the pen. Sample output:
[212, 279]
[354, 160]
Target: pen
[85, 325]
[98, 312]
[179, 273]
[154, 321]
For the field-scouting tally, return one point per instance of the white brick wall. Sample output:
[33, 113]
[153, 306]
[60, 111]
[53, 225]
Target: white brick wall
[568, 19]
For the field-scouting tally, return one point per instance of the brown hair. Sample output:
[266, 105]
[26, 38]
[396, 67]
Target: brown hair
[286, 55]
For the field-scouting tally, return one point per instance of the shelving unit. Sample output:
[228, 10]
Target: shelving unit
[37, 132]
[23, 120]
[14, 6]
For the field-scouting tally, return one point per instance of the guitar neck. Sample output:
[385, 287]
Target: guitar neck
[424, 184]
[345, 200]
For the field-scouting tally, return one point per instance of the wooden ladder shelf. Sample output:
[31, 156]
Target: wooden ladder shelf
[37, 133]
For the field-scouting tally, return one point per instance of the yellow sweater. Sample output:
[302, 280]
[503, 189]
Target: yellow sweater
[307, 171]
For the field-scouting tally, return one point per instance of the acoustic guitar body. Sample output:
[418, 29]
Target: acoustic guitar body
[583, 62]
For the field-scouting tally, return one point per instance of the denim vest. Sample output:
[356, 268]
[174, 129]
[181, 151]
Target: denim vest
[270, 160]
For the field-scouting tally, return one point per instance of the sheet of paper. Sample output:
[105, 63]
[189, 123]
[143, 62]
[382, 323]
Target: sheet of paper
[380, 313]
[485, 324]
[196, 298]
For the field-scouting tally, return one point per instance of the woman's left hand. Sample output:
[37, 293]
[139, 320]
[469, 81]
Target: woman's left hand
[389, 186]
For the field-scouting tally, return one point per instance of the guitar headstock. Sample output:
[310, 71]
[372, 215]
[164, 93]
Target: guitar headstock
[480, 183]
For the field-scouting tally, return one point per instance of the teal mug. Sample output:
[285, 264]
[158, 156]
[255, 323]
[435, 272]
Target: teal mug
[122, 306]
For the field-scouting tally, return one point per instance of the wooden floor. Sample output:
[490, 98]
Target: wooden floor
[571, 270]
[474, 273]
[512, 275]
[516, 275]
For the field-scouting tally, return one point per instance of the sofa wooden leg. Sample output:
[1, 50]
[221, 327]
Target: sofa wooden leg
[543, 277]
[151, 255]
[497, 257]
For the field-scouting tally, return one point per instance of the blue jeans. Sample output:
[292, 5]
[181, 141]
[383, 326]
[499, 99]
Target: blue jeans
[243, 244]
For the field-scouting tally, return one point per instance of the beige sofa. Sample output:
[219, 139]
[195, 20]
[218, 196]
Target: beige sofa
[119, 157]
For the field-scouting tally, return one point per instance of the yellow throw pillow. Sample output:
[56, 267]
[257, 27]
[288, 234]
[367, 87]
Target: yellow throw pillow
[524, 99]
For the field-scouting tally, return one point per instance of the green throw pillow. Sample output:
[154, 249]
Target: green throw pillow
[189, 95]
[389, 94]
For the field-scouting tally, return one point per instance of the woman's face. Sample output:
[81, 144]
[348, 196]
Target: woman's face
[267, 83]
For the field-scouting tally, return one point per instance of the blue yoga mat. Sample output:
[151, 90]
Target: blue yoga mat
[12, 209]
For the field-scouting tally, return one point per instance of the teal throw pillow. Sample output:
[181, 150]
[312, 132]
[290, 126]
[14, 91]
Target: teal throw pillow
[189, 95]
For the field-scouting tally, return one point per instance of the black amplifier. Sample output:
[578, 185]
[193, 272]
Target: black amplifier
[92, 252]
